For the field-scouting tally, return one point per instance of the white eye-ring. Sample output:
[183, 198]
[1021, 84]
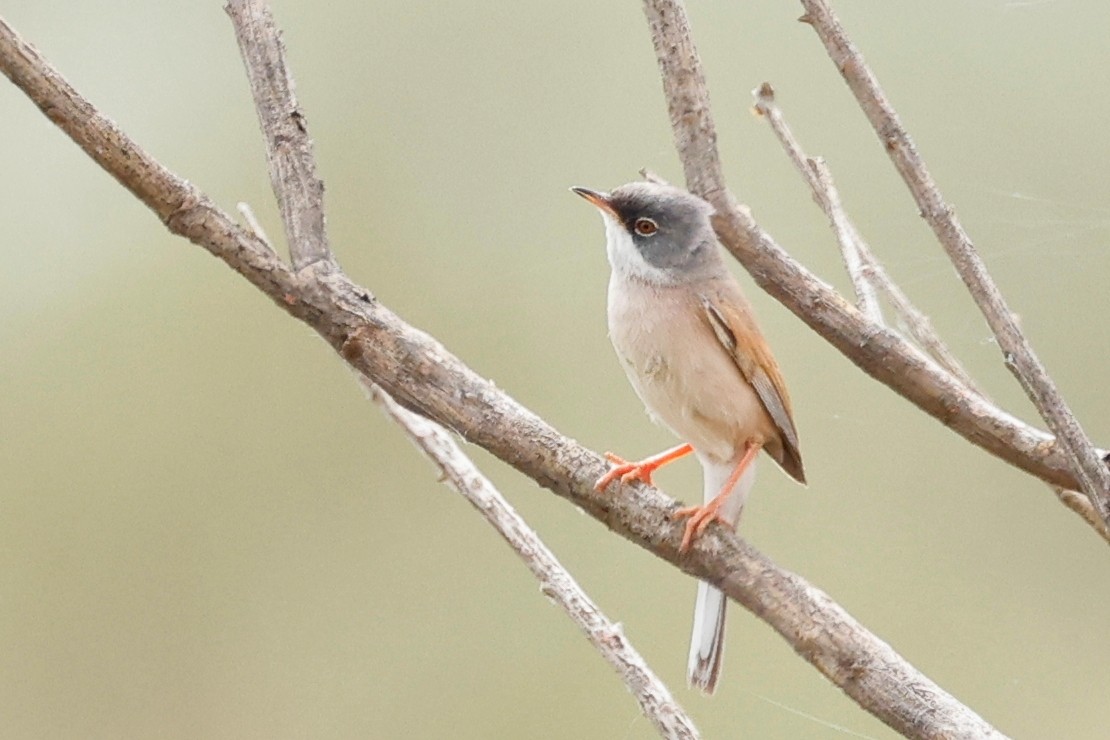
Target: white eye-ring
[645, 226]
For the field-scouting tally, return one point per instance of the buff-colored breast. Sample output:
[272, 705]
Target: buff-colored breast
[682, 373]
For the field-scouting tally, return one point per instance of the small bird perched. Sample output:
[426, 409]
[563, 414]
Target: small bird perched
[688, 341]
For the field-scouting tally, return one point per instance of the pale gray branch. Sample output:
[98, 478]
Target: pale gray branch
[461, 475]
[850, 242]
[816, 173]
[299, 192]
[867, 270]
[1084, 460]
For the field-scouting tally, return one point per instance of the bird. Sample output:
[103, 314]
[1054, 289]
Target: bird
[688, 341]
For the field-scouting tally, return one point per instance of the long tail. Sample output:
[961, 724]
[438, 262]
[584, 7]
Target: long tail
[708, 639]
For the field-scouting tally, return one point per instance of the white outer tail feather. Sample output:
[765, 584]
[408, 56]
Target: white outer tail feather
[707, 641]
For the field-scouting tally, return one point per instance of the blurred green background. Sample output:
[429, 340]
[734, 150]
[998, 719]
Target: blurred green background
[204, 528]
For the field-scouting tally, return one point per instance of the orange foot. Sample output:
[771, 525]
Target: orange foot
[700, 518]
[630, 471]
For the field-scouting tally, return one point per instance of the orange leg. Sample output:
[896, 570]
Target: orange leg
[630, 471]
[702, 516]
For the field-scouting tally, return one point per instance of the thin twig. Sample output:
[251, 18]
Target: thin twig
[914, 321]
[652, 177]
[825, 194]
[461, 475]
[1084, 460]
[850, 243]
[299, 191]
[1081, 505]
[424, 377]
[871, 272]
[255, 225]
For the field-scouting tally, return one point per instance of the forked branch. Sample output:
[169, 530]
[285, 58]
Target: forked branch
[1085, 462]
[881, 353]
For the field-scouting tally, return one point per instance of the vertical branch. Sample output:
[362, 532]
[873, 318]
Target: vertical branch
[299, 192]
[687, 98]
[1018, 354]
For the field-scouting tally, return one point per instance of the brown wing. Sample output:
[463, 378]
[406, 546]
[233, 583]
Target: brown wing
[758, 366]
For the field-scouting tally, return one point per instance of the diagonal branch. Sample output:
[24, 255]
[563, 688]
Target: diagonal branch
[916, 322]
[607, 637]
[878, 351]
[1084, 461]
[817, 176]
[419, 373]
[870, 270]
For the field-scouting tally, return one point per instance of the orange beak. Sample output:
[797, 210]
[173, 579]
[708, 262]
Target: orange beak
[601, 200]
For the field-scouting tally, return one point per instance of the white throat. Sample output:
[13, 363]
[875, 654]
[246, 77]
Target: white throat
[625, 260]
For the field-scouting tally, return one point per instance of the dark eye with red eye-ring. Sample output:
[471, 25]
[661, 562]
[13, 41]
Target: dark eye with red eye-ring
[645, 226]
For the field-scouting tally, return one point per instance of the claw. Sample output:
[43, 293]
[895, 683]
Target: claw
[631, 471]
[700, 517]
[626, 471]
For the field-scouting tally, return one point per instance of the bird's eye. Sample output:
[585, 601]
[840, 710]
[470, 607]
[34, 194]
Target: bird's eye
[645, 226]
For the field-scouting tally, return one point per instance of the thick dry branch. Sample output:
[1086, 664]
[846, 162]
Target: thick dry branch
[419, 373]
[461, 475]
[299, 192]
[1085, 461]
[881, 353]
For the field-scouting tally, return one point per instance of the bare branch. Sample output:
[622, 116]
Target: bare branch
[826, 196]
[916, 322]
[462, 476]
[1085, 461]
[421, 375]
[299, 192]
[652, 177]
[866, 299]
[878, 351]
[871, 271]
[1081, 505]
